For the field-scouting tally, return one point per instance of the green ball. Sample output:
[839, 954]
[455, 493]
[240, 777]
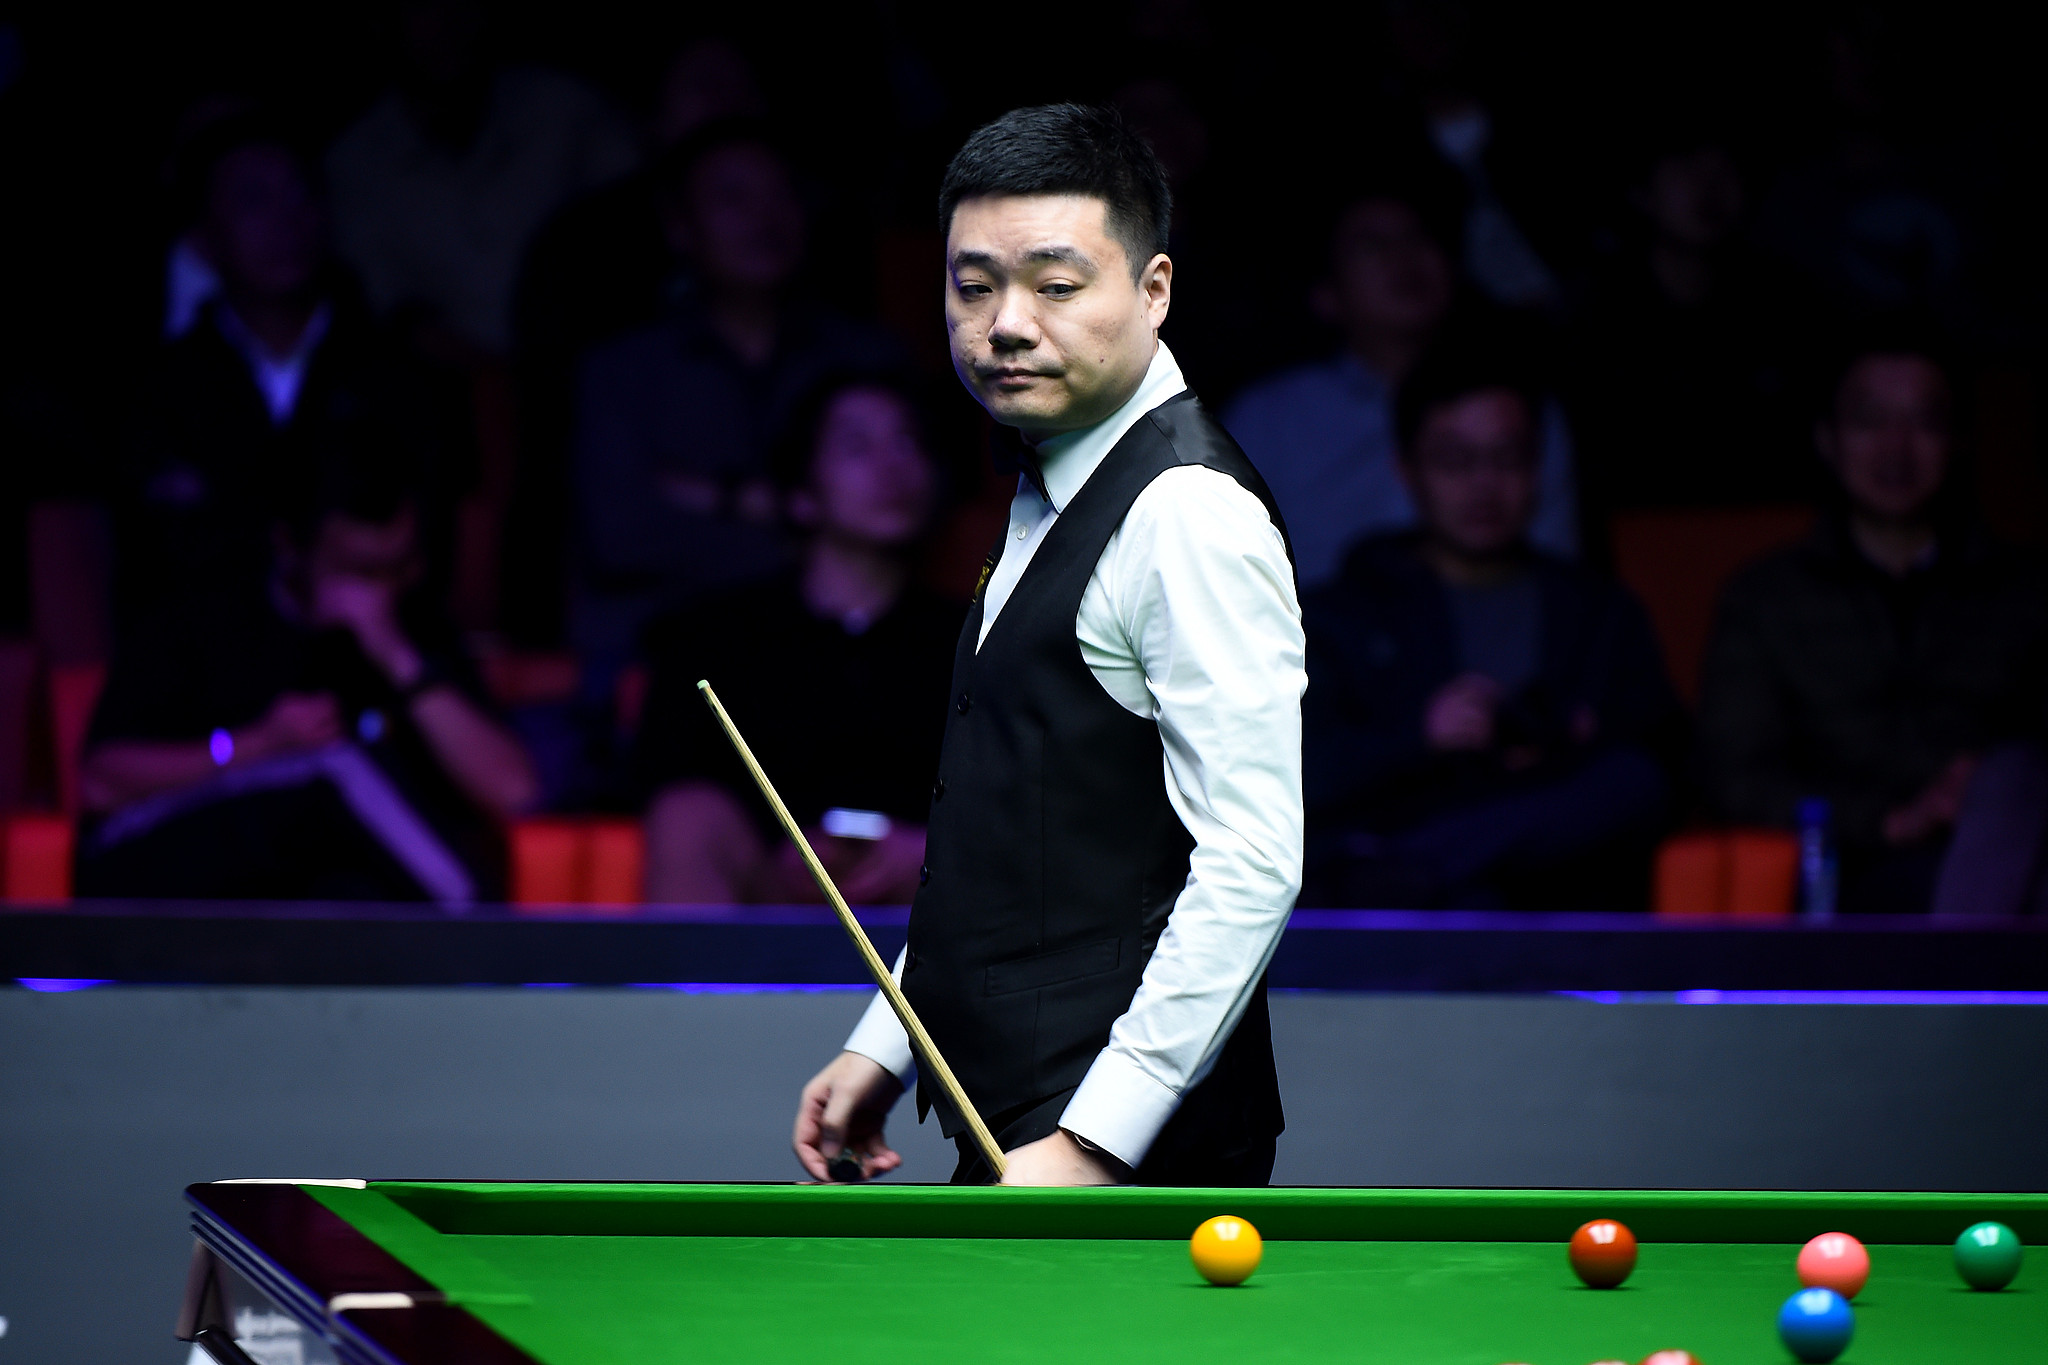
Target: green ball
[1988, 1256]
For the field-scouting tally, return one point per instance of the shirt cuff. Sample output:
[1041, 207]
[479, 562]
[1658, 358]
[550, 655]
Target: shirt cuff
[879, 1036]
[1119, 1108]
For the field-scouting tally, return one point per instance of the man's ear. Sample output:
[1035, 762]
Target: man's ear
[1156, 284]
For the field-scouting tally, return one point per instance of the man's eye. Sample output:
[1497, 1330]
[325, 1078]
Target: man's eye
[1059, 291]
[969, 289]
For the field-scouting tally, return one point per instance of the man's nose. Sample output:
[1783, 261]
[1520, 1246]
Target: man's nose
[1015, 326]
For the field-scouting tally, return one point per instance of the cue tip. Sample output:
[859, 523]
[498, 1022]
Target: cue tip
[703, 684]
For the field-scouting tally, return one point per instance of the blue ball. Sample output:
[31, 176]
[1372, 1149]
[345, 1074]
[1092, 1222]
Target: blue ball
[1816, 1324]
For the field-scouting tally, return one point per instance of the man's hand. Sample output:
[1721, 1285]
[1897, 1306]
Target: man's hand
[367, 608]
[1459, 718]
[1935, 807]
[843, 1108]
[1056, 1160]
[295, 722]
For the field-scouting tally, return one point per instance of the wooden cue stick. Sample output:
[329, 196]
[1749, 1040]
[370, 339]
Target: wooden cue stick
[927, 1051]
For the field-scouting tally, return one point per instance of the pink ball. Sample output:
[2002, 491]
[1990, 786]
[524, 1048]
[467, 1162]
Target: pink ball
[1837, 1261]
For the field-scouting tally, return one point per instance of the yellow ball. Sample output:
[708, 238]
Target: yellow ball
[1226, 1250]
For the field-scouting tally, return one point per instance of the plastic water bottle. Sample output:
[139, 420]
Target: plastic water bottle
[1816, 860]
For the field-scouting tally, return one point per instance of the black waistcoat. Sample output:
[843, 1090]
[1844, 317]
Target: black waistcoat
[1053, 856]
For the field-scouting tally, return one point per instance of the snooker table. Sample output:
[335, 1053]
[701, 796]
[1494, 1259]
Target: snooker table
[435, 1272]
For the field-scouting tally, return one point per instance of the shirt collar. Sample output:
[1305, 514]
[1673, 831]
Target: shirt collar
[1066, 460]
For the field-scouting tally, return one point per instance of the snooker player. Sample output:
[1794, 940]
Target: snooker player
[1115, 838]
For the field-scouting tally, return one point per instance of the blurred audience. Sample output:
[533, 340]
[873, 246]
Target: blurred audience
[441, 185]
[1212, 323]
[674, 420]
[230, 415]
[837, 672]
[1488, 725]
[316, 735]
[1688, 388]
[605, 264]
[495, 360]
[1323, 433]
[1870, 209]
[1876, 665]
[1509, 191]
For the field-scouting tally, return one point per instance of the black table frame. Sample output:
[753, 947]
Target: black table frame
[301, 1257]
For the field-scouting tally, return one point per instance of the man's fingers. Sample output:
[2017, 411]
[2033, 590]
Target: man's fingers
[880, 1155]
[834, 1118]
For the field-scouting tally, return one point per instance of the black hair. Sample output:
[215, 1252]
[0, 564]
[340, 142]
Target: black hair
[1427, 189]
[194, 162]
[796, 448]
[1457, 368]
[1068, 149]
[1900, 334]
[674, 167]
[351, 470]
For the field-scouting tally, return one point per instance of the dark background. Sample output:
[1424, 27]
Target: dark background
[877, 95]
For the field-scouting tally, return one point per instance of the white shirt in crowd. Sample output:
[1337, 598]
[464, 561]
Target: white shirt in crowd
[1190, 618]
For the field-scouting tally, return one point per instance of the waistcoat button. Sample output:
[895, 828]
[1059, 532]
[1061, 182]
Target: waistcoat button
[924, 875]
[965, 704]
[939, 790]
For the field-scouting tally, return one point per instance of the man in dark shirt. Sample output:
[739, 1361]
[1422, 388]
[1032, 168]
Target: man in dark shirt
[1875, 664]
[313, 735]
[837, 672]
[234, 415]
[1485, 720]
[675, 420]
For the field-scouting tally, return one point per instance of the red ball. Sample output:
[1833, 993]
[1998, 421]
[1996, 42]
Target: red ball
[1837, 1261]
[1603, 1252]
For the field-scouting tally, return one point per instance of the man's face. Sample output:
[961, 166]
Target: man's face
[380, 552]
[1387, 274]
[871, 480]
[262, 228]
[1694, 198]
[1473, 473]
[1049, 329]
[740, 220]
[1889, 441]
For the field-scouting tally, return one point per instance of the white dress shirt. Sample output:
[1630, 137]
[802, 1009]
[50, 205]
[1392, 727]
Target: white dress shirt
[1190, 618]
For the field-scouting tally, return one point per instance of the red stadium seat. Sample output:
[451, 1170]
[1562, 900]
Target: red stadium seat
[35, 858]
[1745, 873]
[615, 863]
[571, 860]
[1677, 560]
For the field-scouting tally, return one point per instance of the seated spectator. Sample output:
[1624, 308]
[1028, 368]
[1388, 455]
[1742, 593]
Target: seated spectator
[440, 186]
[1875, 664]
[837, 673]
[1691, 349]
[230, 413]
[602, 266]
[1485, 721]
[318, 736]
[1323, 434]
[673, 495]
